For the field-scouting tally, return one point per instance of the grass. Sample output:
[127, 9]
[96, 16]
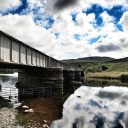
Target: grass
[107, 75]
[20, 120]
[97, 66]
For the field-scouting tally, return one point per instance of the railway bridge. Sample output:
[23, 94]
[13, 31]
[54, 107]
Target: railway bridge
[36, 69]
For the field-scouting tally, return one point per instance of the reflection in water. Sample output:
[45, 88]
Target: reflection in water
[95, 107]
[88, 107]
[103, 82]
[44, 111]
[8, 89]
[4, 78]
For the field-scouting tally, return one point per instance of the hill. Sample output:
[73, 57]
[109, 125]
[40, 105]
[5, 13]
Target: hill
[90, 59]
[100, 64]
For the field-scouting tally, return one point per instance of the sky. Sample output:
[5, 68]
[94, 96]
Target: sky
[66, 29]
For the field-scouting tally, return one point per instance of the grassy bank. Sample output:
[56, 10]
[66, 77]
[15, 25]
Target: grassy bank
[97, 64]
[103, 67]
[107, 75]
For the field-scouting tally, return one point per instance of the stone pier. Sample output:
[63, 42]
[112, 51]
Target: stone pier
[69, 77]
[72, 80]
[39, 81]
[78, 76]
[39, 73]
[34, 82]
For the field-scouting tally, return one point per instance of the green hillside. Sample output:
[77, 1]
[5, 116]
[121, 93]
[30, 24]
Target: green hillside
[100, 64]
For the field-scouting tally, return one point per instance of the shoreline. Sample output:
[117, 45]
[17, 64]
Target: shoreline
[123, 76]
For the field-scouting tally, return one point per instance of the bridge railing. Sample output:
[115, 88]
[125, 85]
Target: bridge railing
[15, 51]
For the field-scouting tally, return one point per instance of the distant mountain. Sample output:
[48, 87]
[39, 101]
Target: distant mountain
[120, 60]
[97, 59]
[96, 63]
[90, 59]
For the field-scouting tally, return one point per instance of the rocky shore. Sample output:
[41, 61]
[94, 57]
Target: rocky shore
[7, 118]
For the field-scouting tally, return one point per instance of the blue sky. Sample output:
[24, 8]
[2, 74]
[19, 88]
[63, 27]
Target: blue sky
[85, 28]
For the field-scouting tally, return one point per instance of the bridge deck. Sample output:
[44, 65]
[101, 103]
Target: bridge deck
[15, 52]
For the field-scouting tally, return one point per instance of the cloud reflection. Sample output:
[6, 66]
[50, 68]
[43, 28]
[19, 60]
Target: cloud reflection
[95, 107]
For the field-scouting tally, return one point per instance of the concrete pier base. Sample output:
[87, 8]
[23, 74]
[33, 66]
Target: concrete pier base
[77, 81]
[78, 76]
[69, 77]
[72, 80]
[82, 76]
[44, 80]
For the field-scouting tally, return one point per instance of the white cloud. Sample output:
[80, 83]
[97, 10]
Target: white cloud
[107, 18]
[82, 4]
[7, 4]
[24, 29]
[124, 21]
[118, 40]
[36, 3]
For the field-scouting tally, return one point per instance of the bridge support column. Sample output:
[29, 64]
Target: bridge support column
[78, 76]
[40, 81]
[82, 76]
[77, 81]
[72, 79]
[69, 77]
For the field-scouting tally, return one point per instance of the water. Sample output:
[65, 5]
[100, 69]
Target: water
[87, 107]
[95, 107]
[8, 89]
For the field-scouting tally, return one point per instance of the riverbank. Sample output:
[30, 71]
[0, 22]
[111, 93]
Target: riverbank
[7, 118]
[43, 111]
[36, 112]
[107, 75]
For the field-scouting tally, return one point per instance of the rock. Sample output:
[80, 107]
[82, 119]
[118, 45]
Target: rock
[25, 106]
[79, 96]
[7, 118]
[45, 121]
[45, 126]
[29, 110]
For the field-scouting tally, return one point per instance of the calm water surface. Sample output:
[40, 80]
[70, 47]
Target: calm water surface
[87, 107]
[7, 87]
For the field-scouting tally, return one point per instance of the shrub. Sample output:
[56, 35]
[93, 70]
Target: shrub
[124, 78]
[90, 70]
[104, 67]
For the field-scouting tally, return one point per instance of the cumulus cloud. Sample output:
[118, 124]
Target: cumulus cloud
[7, 4]
[81, 4]
[108, 48]
[24, 29]
[60, 38]
[59, 4]
[124, 21]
